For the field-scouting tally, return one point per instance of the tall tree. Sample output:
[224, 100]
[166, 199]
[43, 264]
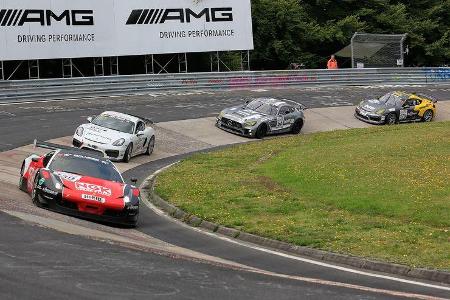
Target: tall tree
[309, 31]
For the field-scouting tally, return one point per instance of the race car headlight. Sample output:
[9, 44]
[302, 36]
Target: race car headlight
[221, 115]
[250, 123]
[126, 199]
[119, 142]
[80, 131]
[380, 111]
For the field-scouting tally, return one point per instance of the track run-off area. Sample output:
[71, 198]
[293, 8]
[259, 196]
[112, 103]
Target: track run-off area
[47, 255]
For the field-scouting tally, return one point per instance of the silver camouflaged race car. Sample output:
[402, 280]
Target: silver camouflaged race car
[263, 116]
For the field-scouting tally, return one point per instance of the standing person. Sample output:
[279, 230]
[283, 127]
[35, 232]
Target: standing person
[332, 63]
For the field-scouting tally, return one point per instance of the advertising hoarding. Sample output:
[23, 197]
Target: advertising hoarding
[47, 29]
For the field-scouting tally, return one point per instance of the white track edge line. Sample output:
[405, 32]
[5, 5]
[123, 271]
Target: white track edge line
[285, 255]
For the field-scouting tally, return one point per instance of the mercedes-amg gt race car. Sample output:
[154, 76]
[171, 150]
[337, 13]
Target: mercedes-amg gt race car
[80, 183]
[397, 107]
[119, 136]
[263, 116]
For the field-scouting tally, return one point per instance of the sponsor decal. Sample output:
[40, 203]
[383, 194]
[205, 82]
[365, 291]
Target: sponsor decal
[93, 198]
[133, 207]
[68, 176]
[92, 188]
[289, 121]
[46, 17]
[181, 15]
[49, 191]
[41, 181]
[185, 16]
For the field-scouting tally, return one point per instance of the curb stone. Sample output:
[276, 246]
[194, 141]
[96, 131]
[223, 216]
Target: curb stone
[343, 259]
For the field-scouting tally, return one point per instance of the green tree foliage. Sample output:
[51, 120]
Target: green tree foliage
[308, 32]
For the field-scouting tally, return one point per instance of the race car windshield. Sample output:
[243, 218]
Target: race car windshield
[262, 107]
[85, 166]
[390, 99]
[114, 123]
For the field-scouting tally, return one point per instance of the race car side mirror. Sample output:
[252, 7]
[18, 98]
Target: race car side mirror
[140, 133]
[35, 159]
[90, 119]
[133, 180]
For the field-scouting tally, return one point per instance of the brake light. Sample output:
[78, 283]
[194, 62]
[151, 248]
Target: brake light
[136, 193]
[45, 174]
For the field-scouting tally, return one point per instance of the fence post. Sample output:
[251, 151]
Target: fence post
[2, 71]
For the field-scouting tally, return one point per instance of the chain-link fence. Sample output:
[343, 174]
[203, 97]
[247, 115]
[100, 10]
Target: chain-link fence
[377, 50]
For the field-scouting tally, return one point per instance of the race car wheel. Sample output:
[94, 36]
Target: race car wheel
[297, 127]
[261, 132]
[151, 146]
[391, 119]
[128, 153]
[428, 116]
[34, 195]
[22, 182]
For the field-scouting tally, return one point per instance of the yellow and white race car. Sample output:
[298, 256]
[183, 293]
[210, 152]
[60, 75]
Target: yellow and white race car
[397, 107]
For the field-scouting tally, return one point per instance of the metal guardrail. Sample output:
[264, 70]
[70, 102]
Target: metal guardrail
[13, 91]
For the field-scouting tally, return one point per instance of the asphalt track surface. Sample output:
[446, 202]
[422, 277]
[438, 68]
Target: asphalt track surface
[20, 124]
[43, 264]
[50, 264]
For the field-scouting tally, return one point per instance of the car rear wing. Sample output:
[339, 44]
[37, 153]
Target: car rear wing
[431, 98]
[298, 106]
[146, 120]
[52, 146]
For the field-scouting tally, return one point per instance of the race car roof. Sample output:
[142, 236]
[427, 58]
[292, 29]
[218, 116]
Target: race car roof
[404, 94]
[121, 116]
[277, 102]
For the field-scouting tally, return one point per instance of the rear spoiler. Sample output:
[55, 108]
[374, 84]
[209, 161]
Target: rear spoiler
[146, 120]
[297, 105]
[431, 98]
[51, 146]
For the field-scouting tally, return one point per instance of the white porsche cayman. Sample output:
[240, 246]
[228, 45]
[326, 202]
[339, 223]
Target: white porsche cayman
[119, 136]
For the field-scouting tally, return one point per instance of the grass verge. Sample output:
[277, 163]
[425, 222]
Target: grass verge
[381, 192]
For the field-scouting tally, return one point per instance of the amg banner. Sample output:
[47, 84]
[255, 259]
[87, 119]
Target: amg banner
[46, 29]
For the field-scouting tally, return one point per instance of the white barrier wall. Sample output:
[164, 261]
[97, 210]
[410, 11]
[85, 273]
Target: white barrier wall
[46, 29]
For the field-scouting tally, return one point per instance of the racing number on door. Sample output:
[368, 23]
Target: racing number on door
[280, 121]
[403, 114]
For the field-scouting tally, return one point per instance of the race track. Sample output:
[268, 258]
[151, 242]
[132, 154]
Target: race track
[226, 270]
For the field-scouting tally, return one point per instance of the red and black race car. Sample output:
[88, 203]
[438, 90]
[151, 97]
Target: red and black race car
[79, 183]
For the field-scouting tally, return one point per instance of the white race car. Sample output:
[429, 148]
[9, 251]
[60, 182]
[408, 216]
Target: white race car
[119, 136]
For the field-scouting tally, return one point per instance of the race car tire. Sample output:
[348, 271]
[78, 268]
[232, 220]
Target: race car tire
[297, 127]
[22, 182]
[391, 119]
[34, 195]
[151, 146]
[261, 132]
[128, 153]
[428, 116]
